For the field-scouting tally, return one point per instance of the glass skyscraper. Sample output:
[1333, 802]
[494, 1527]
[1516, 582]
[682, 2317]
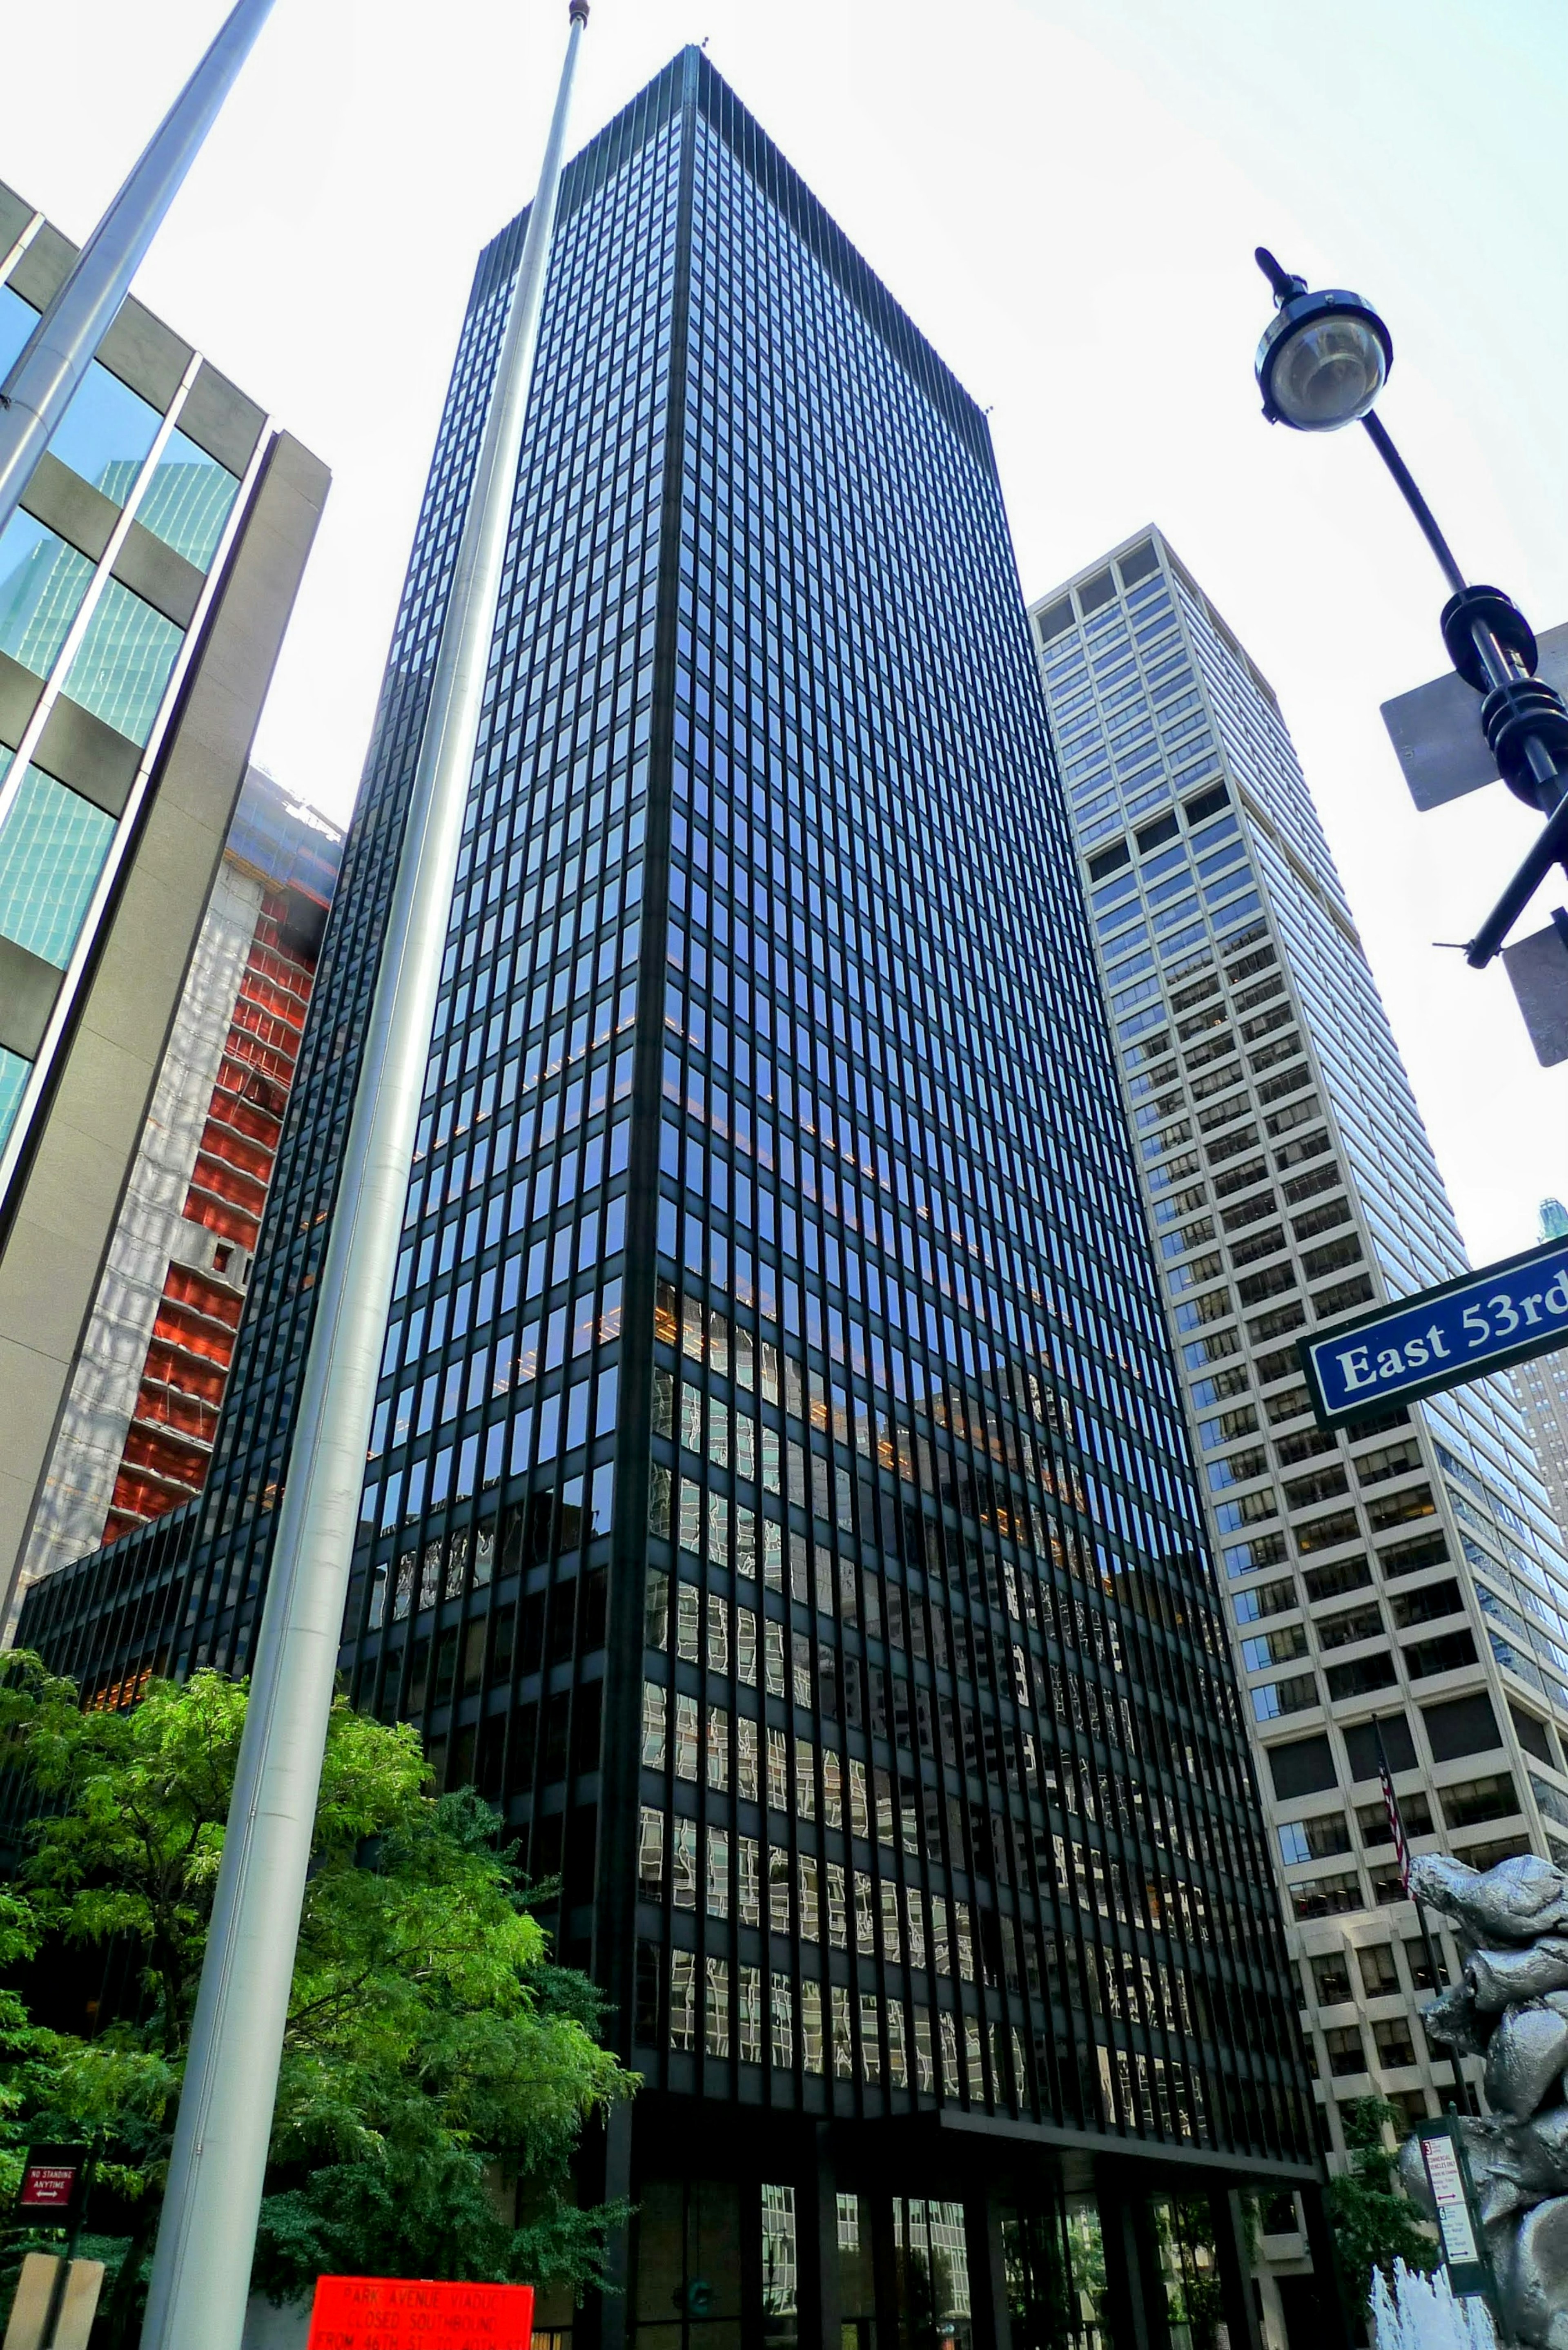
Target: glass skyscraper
[1407, 1572]
[779, 1505]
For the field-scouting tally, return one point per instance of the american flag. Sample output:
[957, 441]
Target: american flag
[1391, 1805]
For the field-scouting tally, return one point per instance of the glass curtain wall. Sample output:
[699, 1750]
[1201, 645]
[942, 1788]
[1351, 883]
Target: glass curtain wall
[92, 620]
[779, 1505]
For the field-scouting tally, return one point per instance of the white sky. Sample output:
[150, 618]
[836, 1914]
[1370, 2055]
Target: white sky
[1064, 194]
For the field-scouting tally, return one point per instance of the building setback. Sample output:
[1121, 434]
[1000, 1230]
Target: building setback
[779, 1501]
[136, 1435]
[1408, 1572]
[144, 588]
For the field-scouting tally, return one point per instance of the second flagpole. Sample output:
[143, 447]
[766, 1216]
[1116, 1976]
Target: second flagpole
[202, 2267]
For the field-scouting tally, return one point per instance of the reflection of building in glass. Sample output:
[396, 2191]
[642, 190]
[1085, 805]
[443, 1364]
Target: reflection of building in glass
[778, 1505]
[1542, 1385]
[136, 1435]
[140, 618]
[104, 641]
[1405, 1571]
[41, 591]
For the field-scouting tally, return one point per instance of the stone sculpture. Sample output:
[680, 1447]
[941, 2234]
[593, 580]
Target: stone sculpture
[1510, 2006]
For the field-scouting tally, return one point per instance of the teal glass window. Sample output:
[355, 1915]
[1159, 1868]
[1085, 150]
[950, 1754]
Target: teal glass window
[15, 1073]
[106, 432]
[53, 844]
[42, 583]
[124, 662]
[17, 320]
[187, 502]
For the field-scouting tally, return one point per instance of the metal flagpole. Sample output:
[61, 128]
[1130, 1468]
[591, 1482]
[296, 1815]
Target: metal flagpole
[200, 2270]
[1402, 1856]
[61, 348]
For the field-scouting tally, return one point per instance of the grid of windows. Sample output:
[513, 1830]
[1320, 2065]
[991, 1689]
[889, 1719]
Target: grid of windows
[779, 1504]
[102, 574]
[1288, 1179]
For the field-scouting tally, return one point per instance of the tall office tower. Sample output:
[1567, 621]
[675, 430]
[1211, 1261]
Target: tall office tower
[1544, 1393]
[144, 588]
[779, 1504]
[1405, 1572]
[136, 1435]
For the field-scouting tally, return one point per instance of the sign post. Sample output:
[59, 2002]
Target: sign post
[1443, 1337]
[1465, 2254]
[1444, 755]
[56, 2294]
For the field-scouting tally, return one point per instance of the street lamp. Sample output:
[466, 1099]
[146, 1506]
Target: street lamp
[1323, 359]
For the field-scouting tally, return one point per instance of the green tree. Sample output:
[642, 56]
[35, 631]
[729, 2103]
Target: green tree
[437, 2067]
[1374, 2221]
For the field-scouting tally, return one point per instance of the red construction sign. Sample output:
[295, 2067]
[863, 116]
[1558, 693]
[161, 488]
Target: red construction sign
[405, 2314]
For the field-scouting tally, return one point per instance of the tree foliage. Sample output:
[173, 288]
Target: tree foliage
[434, 2056]
[1375, 2224]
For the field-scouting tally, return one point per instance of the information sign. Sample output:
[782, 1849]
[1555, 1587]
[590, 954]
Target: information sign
[403, 2314]
[1469, 2271]
[1460, 1331]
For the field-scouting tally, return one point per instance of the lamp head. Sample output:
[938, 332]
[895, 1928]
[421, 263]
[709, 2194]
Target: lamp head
[1325, 356]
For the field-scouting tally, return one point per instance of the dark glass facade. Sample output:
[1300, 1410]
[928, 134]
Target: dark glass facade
[779, 1505]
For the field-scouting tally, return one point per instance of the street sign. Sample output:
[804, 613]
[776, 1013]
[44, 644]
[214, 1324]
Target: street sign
[1460, 1331]
[1537, 967]
[404, 2313]
[1464, 2248]
[1436, 729]
[53, 2178]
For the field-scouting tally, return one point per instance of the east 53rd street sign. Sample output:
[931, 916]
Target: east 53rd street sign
[1463, 1330]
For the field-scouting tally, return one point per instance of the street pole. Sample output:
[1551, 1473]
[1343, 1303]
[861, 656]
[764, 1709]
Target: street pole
[62, 346]
[1322, 363]
[200, 2270]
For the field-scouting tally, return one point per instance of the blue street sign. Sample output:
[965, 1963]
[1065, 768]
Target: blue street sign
[1460, 1331]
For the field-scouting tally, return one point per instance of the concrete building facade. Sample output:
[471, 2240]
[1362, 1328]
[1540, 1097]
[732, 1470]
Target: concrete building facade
[1542, 1385]
[1409, 1574]
[144, 590]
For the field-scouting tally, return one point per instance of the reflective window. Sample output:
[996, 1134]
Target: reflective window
[42, 584]
[105, 434]
[187, 502]
[52, 847]
[17, 320]
[124, 662]
[14, 1075]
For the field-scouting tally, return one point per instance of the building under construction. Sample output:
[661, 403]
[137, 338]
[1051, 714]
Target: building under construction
[136, 1434]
